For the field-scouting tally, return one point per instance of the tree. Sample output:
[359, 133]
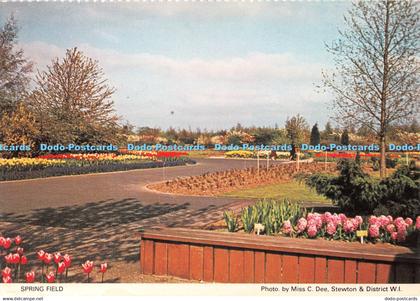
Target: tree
[315, 136]
[375, 81]
[73, 102]
[14, 68]
[19, 127]
[297, 129]
[345, 139]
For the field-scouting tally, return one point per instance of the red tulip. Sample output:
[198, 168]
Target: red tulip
[18, 240]
[9, 258]
[50, 277]
[87, 266]
[61, 267]
[6, 272]
[23, 260]
[15, 258]
[2, 241]
[103, 268]
[41, 255]
[47, 258]
[7, 279]
[57, 257]
[20, 251]
[30, 277]
[7, 243]
[67, 260]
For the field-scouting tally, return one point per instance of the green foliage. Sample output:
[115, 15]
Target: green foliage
[356, 192]
[231, 220]
[315, 135]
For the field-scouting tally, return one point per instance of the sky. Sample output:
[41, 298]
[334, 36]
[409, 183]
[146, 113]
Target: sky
[194, 64]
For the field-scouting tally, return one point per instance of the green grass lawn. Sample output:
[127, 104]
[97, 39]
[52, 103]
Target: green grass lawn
[293, 191]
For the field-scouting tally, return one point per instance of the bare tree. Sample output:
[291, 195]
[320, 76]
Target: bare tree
[14, 68]
[73, 102]
[376, 75]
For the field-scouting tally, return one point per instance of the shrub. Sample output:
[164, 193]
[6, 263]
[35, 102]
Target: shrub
[231, 220]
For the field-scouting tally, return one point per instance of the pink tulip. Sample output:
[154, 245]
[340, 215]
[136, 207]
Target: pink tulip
[312, 231]
[287, 227]
[30, 277]
[374, 231]
[331, 228]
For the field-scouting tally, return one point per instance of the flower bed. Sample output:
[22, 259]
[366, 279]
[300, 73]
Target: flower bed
[289, 219]
[54, 266]
[73, 164]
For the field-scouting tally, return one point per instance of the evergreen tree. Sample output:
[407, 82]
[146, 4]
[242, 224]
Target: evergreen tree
[315, 136]
[345, 139]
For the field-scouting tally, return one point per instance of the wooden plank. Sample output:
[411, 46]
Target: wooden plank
[335, 270]
[366, 272]
[350, 271]
[259, 267]
[306, 269]
[320, 270]
[290, 268]
[273, 263]
[249, 263]
[236, 266]
[142, 255]
[148, 257]
[384, 273]
[161, 258]
[179, 260]
[208, 264]
[221, 265]
[196, 262]
[367, 252]
[404, 273]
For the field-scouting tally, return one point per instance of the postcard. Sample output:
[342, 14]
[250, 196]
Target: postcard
[203, 148]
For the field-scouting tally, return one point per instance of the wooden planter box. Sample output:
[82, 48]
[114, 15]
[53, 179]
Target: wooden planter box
[243, 258]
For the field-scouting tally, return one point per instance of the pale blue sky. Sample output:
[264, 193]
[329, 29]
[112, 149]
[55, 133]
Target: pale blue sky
[213, 63]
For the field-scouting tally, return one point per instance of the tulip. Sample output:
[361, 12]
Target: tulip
[41, 255]
[6, 272]
[103, 269]
[19, 251]
[2, 241]
[15, 258]
[67, 260]
[30, 277]
[47, 258]
[61, 267]
[57, 257]
[18, 240]
[50, 277]
[418, 223]
[23, 260]
[87, 268]
[9, 258]
[7, 243]
[7, 279]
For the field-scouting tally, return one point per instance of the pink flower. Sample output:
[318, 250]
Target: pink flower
[20, 251]
[383, 220]
[6, 272]
[312, 231]
[287, 227]
[359, 220]
[301, 224]
[401, 235]
[418, 223]
[87, 267]
[374, 231]
[47, 258]
[331, 228]
[7, 243]
[394, 235]
[348, 226]
[2, 241]
[18, 240]
[342, 217]
[23, 260]
[326, 217]
[41, 255]
[9, 258]
[7, 279]
[373, 220]
[30, 277]
[408, 221]
[390, 228]
[390, 218]
[400, 223]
